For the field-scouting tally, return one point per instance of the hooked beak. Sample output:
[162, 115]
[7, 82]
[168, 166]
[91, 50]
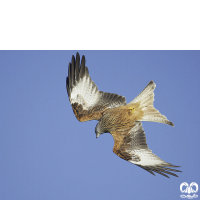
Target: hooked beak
[97, 135]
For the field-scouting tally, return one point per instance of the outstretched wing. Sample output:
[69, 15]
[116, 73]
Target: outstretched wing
[87, 101]
[131, 145]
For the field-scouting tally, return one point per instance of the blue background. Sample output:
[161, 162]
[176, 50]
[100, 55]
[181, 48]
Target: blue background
[45, 153]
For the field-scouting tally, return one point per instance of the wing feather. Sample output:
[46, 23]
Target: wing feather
[87, 101]
[132, 147]
[77, 63]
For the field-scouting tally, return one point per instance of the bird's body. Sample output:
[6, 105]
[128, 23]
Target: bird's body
[117, 117]
[120, 118]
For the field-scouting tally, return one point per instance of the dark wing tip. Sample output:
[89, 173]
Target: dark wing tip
[77, 55]
[67, 86]
[83, 68]
[74, 69]
[162, 170]
[77, 65]
[75, 72]
[151, 82]
[171, 123]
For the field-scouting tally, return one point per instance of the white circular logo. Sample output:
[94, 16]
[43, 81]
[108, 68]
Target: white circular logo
[186, 188]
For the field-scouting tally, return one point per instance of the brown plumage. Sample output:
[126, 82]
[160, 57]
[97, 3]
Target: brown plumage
[117, 117]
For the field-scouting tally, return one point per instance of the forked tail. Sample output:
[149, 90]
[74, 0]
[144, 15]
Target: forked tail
[145, 100]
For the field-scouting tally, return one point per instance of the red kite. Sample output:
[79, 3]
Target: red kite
[115, 116]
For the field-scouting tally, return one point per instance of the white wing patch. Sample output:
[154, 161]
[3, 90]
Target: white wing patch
[147, 158]
[85, 92]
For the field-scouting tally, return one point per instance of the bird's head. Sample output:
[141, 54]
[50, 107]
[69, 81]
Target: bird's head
[98, 130]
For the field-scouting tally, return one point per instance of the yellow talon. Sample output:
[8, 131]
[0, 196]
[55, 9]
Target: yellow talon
[132, 109]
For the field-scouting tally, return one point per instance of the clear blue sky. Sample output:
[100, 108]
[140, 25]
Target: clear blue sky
[46, 153]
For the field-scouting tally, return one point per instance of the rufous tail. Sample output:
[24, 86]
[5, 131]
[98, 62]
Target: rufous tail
[145, 100]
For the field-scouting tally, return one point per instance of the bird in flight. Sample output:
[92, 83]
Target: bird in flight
[115, 116]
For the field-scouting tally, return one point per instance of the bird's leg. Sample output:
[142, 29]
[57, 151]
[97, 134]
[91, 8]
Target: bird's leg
[131, 109]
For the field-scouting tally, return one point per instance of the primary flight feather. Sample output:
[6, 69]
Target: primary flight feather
[117, 117]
